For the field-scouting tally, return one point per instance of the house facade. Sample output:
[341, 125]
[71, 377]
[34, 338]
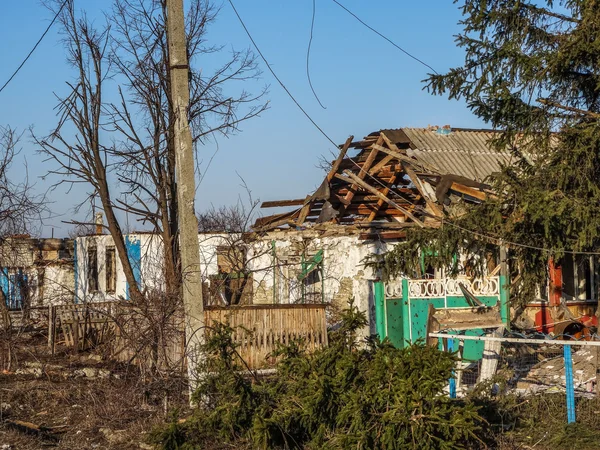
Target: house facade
[36, 272]
[99, 272]
[315, 248]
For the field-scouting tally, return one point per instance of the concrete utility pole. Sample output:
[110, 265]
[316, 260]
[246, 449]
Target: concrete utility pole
[186, 184]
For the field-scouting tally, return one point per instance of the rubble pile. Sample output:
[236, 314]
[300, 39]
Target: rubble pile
[549, 374]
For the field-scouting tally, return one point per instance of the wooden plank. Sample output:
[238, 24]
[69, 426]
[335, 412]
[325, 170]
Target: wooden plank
[380, 165]
[391, 235]
[362, 173]
[374, 191]
[304, 211]
[280, 203]
[286, 220]
[471, 192]
[270, 221]
[372, 210]
[340, 158]
[435, 209]
[380, 202]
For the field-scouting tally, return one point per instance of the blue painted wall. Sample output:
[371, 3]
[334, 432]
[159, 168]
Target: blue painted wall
[134, 254]
[11, 285]
[4, 285]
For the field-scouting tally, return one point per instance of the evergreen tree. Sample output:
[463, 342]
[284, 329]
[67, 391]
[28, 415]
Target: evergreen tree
[532, 71]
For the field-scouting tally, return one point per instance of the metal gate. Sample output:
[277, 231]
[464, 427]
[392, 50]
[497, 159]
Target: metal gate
[401, 306]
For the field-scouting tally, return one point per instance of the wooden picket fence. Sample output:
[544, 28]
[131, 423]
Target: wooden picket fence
[257, 331]
[259, 328]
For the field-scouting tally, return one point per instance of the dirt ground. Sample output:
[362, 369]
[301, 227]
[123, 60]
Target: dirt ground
[77, 401]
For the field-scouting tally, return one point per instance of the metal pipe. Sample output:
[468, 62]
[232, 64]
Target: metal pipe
[516, 340]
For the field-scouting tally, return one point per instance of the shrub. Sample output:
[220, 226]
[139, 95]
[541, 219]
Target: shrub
[352, 394]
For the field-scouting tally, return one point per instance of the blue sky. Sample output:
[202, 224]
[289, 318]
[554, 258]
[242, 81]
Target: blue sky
[365, 83]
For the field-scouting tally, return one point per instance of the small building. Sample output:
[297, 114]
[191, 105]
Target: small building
[99, 273]
[36, 272]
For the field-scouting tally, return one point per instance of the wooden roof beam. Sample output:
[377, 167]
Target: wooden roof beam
[363, 172]
[361, 183]
[281, 203]
[435, 209]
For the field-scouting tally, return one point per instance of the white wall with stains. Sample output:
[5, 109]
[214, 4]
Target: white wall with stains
[275, 261]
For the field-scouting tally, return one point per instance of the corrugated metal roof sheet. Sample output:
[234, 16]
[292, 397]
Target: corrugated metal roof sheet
[459, 152]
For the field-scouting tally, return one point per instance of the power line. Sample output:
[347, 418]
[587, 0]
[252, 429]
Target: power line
[501, 241]
[277, 78]
[385, 37]
[312, 27]
[35, 46]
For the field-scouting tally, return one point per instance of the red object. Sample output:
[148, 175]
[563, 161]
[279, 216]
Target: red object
[555, 283]
[544, 323]
[589, 321]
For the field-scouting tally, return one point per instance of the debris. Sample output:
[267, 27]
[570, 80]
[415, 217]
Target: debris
[5, 408]
[32, 428]
[91, 372]
[114, 436]
[547, 372]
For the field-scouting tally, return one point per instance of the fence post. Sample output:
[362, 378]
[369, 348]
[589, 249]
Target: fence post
[380, 318]
[452, 382]
[569, 383]
[51, 313]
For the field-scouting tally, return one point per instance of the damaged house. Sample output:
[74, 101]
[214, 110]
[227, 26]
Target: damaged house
[315, 250]
[395, 179]
[36, 272]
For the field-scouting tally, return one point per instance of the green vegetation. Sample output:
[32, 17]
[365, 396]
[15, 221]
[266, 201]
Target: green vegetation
[532, 71]
[352, 394]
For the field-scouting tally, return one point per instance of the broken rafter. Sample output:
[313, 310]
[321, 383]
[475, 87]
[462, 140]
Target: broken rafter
[304, 211]
[471, 192]
[363, 172]
[435, 209]
[274, 221]
[334, 168]
[380, 165]
[340, 158]
[280, 203]
[350, 177]
[414, 178]
[380, 202]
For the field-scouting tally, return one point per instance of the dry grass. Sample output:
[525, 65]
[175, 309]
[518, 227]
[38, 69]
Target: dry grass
[83, 403]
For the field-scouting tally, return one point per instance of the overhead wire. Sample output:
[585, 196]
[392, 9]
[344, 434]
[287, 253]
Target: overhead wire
[475, 233]
[277, 78]
[385, 37]
[34, 47]
[312, 27]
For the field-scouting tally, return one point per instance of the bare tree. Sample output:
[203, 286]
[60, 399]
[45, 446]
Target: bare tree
[230, 225]
[20, 207]
[76, 144]
[20, 211]
[146, 151]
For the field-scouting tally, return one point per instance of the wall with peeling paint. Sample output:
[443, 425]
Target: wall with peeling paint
[151, 262]
[39, 271]
[275, 261]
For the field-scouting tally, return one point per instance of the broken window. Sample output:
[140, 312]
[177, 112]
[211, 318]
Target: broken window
[111, 271]
[579, 278]
[312, 278]
[15, 288]
[92, 266]
[233, 285]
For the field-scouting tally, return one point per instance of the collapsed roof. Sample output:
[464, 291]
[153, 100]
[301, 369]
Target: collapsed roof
[397, 178]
